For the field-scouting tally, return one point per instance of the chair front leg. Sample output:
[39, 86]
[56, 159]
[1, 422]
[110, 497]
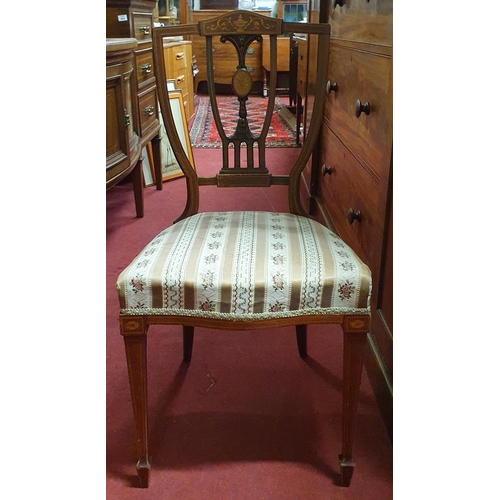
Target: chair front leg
[354, 349]
[135, 349]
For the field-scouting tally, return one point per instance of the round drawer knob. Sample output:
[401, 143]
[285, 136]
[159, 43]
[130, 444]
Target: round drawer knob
[362, 108]
[331, 86]
[352, 216]
[326, 170]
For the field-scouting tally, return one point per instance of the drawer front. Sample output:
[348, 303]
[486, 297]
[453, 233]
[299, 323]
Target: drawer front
[143, 27]
[181, 80]
[178, 58]
[362, 78]
[144, 67]
[363, 21]
[350, 187]
[148, 110]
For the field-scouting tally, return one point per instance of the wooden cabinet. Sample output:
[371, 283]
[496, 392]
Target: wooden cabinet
[134, 18]
[225, 58]
[178, 65]
[122, 142]
[353, 171]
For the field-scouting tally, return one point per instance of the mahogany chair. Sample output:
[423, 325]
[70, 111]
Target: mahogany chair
[244, 270]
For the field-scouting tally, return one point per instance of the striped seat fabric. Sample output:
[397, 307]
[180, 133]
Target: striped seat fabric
[245, 265]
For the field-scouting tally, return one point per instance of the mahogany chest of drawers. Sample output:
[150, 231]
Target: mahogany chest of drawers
[354, 168]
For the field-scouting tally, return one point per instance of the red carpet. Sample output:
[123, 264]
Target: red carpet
[204, 134]
[248, 419]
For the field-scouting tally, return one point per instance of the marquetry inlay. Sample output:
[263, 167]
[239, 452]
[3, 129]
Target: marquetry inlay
[357, 323]
[132, 325]
[239, 22]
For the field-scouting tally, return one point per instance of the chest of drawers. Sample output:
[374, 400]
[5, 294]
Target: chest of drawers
[354, 168]
[178, 65]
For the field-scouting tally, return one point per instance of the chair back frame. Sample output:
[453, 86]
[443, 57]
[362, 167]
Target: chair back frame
[240, 28]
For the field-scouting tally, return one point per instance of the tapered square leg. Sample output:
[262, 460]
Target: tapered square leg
[354, 349]
[135, 349]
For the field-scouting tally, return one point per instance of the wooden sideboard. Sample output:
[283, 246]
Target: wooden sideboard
[351, 178]
[122, 141]
[134, 18]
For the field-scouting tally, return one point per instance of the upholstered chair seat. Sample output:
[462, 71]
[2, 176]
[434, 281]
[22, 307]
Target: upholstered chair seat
[244, 265]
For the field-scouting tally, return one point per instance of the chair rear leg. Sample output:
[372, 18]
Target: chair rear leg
[301, 333]
[187, 337]
[354, 349]
[135, 349]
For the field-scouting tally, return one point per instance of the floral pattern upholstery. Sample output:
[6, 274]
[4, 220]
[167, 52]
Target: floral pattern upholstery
[245, 265]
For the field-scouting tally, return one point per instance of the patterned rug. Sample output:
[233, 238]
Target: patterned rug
[203, 133]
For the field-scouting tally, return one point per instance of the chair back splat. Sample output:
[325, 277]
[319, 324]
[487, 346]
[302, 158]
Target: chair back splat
[245, 270]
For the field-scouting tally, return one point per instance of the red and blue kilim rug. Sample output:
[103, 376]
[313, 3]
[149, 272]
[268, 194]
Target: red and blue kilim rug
[203, 133]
